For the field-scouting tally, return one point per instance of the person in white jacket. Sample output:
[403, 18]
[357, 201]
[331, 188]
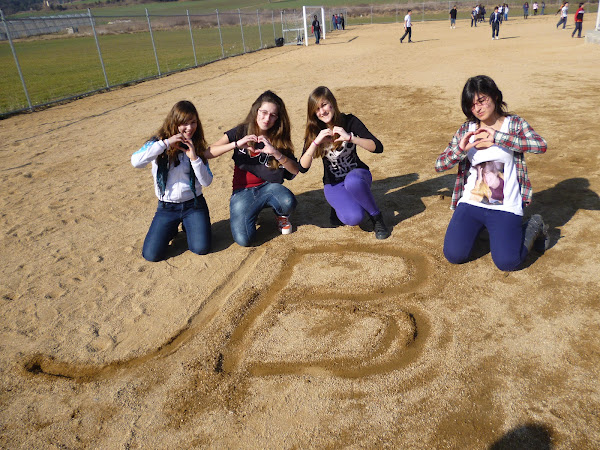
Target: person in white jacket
[180, 170]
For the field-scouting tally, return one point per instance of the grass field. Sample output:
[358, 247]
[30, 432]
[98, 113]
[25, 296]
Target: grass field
[58, 68]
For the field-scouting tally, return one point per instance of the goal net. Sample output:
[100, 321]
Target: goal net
[296, 26]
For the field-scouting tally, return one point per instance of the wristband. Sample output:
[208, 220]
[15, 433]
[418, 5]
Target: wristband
[235, 146]
[166, 142]
[351, 136]
[315, 142]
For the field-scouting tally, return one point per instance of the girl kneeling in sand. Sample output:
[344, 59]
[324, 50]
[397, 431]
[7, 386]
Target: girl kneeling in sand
[334, 137]
[264, 157]
[179, 170]
[492, 183]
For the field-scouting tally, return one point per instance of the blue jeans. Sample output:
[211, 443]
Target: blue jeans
[563, 21]
[317, 36]
[246, 204]
[505, 230]
[165, 224]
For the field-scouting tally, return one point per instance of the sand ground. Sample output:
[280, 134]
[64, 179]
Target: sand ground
[326, 337]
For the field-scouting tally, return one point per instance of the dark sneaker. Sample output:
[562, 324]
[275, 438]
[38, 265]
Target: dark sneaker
[381, 231]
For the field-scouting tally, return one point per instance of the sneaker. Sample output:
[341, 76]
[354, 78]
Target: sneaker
[542, 243]
[284, 224]
[381, 231]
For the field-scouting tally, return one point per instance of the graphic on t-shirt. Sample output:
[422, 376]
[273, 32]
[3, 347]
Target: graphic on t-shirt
[341, 160]
[263, 158]
[489, 187]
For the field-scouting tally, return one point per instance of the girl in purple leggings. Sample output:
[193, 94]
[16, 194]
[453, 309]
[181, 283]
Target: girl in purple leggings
[334, 137]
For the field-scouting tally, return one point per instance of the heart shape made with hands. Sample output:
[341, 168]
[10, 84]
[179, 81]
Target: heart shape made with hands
[478, 143]
[254, 149]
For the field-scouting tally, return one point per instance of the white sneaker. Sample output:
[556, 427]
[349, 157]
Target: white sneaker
[284, 224]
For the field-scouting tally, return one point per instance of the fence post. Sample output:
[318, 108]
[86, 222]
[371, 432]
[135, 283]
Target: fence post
[152, 39]
[259, 32]
[423, 19]
[273, 21]
[187, 11]
[397, 12]
[98, 47]
[242, 28]
[371, 14]
[220, 35]
[12, 47]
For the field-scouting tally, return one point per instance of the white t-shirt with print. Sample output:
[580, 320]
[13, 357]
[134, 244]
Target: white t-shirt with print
[492, 182]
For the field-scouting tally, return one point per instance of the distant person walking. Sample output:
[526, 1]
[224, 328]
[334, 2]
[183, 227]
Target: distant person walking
[578, 21]
[543, 8]
[342, 22]
[535, 7]
[453, 13]
[474, 17]
[525, 10]
[495, 21]
[564, 12]
[316, 29]
[407, 27]
[506, 11]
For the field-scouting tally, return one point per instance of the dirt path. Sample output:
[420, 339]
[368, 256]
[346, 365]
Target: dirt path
[326, 337]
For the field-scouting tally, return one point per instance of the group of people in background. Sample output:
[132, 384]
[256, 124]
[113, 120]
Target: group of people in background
[338, 22]
[500, 14]
[491, 189]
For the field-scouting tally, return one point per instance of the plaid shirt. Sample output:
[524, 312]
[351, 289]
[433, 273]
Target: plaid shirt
[520, 139]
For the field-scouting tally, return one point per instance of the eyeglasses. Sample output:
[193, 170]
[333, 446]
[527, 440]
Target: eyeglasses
[481, 101]
[265, 113]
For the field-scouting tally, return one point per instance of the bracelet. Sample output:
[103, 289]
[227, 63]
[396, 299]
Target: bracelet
[350, 140]
[315, 142]
[235, 146]
[166, 142]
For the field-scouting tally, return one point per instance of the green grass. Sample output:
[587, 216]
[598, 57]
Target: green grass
[59, 68]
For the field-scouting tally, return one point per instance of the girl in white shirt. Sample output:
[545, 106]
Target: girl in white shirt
[180, 170]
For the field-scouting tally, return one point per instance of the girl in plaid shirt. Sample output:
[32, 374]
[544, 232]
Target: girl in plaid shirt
[489, 150]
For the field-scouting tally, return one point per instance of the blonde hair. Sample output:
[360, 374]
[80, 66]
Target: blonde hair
[182, 112]
[313, 124]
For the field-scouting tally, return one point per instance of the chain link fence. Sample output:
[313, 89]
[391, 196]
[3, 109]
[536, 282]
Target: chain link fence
[46, 60]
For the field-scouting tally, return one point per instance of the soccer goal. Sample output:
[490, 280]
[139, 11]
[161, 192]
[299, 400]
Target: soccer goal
[295, 25]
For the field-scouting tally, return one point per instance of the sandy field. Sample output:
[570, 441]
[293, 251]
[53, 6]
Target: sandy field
[324, 338]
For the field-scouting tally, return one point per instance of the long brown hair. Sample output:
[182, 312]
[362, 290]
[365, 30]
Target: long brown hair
[280, 134]
[313, 124]
[182, 112]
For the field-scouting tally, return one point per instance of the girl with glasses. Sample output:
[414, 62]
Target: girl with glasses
[492, 185]
[334, 137]
[263, 155]
[180, 170]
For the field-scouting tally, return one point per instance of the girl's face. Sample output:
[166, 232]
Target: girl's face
[267, 116]
[324, 111]
[188, 128]
[483, 107]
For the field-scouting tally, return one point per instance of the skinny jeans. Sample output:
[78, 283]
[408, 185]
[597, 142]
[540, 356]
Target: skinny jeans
[505, 231]
[246, 204]
[165, 224]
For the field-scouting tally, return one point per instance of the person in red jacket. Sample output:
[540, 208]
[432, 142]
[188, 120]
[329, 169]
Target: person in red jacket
[578, 21]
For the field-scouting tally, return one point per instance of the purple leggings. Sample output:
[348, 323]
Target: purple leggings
[352, 197]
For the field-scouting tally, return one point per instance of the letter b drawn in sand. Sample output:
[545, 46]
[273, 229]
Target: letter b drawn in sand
[334, 312]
